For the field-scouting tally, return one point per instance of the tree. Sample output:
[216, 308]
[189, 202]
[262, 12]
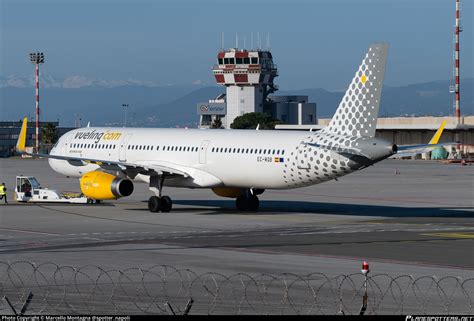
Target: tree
[217, 123]
[251, 120]
[50, 134]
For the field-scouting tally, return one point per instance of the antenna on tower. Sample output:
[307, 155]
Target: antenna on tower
[245, 42]
[236, 40]
[268, 40]
[251, 40]
[222, 41]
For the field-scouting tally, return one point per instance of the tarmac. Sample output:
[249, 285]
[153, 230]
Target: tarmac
[418, 222]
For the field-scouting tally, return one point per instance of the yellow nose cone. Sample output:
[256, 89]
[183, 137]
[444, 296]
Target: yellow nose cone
[363, 79]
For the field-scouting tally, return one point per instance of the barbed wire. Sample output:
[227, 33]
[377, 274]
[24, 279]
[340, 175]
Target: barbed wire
[164, 289]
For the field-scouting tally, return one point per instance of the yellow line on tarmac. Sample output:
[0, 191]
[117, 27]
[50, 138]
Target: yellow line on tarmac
[465, 235]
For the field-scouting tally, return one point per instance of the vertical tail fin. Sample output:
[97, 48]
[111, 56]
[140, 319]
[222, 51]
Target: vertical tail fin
[21, 143]
[437, 135]
[358, 111]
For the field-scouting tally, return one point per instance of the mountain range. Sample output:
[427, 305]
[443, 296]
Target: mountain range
[100, 101]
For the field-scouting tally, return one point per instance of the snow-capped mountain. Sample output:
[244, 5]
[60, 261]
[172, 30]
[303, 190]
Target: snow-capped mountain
[75, 81]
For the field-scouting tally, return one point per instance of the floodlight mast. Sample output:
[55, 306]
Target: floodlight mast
[125, 106]
[37, 58]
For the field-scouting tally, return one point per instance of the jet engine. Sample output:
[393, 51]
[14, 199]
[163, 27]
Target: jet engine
[103, 186]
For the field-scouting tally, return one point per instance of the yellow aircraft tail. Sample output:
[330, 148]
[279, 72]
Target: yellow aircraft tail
[21, 143]
[434, 140]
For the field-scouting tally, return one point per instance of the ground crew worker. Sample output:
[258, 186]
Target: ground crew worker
[3, 192]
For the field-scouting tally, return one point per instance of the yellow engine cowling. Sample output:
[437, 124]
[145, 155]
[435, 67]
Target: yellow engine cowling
[228, 192]
[103, 186]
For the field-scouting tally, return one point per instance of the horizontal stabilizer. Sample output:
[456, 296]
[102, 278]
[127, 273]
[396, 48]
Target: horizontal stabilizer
[339, 150]
[413, 150]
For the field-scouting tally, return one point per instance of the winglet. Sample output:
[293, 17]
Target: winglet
[434, 140]
[21, 143]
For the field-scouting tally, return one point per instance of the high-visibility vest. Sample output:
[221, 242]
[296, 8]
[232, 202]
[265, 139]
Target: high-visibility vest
[2, 190]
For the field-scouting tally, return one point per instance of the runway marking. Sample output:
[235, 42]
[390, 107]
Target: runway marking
[466, 235]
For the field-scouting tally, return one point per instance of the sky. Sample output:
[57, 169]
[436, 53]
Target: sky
[315, 43]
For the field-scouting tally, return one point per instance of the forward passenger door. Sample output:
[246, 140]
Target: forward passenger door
[123, 148]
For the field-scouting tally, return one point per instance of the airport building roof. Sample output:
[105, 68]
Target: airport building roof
[400, 123]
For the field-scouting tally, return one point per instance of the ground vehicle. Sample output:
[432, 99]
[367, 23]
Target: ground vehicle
[28, 189]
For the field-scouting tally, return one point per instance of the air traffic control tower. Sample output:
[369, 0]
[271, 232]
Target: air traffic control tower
[248, 77]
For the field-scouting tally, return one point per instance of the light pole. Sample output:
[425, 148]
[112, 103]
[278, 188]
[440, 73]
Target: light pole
[125, 106]
[37, 58]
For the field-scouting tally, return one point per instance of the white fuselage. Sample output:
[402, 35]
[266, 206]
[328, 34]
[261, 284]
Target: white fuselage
[265, 159]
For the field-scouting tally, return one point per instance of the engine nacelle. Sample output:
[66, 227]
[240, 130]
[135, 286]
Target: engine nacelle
[103, 186]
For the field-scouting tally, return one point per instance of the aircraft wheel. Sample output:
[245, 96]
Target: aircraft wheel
[154, 204]
[166, 204]
[253, 203]
[241, 204]
[247, 204]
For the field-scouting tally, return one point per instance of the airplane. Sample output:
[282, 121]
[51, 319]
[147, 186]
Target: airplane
[412, 150]
[239, 164]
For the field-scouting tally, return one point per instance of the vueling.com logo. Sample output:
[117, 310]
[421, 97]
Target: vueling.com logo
[97, 136]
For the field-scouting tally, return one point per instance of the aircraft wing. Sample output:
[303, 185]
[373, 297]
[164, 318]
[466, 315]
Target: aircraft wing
[131, 169]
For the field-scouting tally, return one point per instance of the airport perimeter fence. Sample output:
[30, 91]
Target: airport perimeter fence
[48, 288]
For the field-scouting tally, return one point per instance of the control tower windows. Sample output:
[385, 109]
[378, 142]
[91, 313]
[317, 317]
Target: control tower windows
[229, 61]
[254, 60]
[220, 61]
[247, 60]
[238, 61]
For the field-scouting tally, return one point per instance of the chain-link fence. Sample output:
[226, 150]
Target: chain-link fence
[49, 288]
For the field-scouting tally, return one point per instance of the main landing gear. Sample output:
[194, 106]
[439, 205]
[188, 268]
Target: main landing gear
[247, 202]
[158, 203]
